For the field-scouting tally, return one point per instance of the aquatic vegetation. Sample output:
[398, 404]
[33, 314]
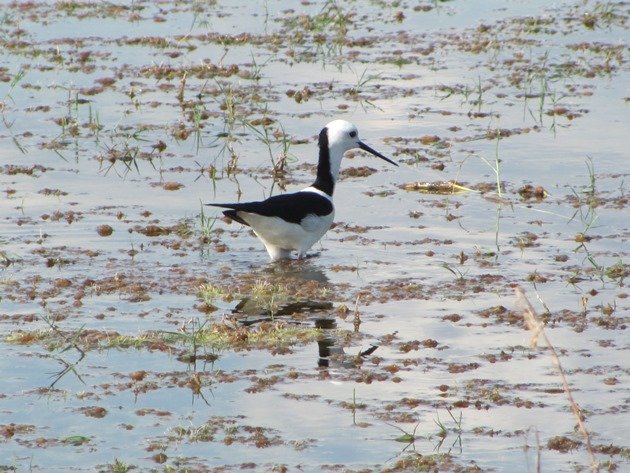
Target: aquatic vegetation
[139, 328]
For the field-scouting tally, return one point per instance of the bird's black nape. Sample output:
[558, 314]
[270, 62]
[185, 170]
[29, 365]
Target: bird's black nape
[324, 181]
[322, 140]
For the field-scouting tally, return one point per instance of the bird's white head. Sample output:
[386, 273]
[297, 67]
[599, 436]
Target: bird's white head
[341, 136]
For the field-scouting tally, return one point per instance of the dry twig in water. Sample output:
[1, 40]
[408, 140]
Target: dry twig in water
[537, 329]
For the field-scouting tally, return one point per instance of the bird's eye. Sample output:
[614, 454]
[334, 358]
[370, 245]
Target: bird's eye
[353, 134]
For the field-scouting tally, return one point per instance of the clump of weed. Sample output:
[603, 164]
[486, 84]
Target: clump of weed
[209, 293]
[269, 296]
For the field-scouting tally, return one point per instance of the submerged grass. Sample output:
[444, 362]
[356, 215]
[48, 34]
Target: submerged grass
[418, 462]
[119, 466]
[3, 107]
[272, 138]
[218, 336]
[496, 166]
[205, 223]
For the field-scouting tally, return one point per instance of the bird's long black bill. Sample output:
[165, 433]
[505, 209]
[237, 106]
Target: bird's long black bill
[365, 147]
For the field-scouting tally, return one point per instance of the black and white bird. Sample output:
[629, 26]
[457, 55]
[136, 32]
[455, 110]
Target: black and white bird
[296, 221]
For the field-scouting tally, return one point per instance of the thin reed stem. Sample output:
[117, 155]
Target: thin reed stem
[538, 330]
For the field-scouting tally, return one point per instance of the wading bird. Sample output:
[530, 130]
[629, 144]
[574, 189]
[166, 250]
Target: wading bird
[296, 221]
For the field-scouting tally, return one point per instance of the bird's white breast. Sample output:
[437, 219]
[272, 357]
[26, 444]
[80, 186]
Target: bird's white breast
[289, 236]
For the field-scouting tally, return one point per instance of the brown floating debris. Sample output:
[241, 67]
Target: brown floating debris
[94, 411]
[172, 186]
[429, 139]
[159, 146]
[138, 375]
[437, 187]
[54, 192]
[530, 192]
[13, 169]
[153, 230]
[562, 444]
[361, 171]
[159, 457]
[104, 230]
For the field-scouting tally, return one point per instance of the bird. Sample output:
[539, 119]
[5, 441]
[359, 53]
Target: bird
[296, 221]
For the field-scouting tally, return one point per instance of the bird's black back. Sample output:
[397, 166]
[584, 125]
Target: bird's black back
[289, 207]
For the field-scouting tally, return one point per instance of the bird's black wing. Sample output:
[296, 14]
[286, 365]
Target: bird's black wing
[289, 207]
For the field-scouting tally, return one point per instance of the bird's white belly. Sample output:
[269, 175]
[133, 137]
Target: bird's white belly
[284, 235]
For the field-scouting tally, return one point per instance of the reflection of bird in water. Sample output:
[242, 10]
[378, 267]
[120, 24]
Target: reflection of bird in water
[252, 307]
[296, 221]
[327, 344]
[284, 304]
[330, 351]
[304, 271]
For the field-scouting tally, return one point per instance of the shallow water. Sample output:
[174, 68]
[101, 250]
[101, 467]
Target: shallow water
[428, 278]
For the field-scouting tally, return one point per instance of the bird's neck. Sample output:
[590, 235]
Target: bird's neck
[328, 166]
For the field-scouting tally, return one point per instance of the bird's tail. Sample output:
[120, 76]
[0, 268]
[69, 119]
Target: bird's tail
[231, 213]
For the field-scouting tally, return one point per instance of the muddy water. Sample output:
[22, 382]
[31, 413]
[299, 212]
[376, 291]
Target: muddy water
[120, 120]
